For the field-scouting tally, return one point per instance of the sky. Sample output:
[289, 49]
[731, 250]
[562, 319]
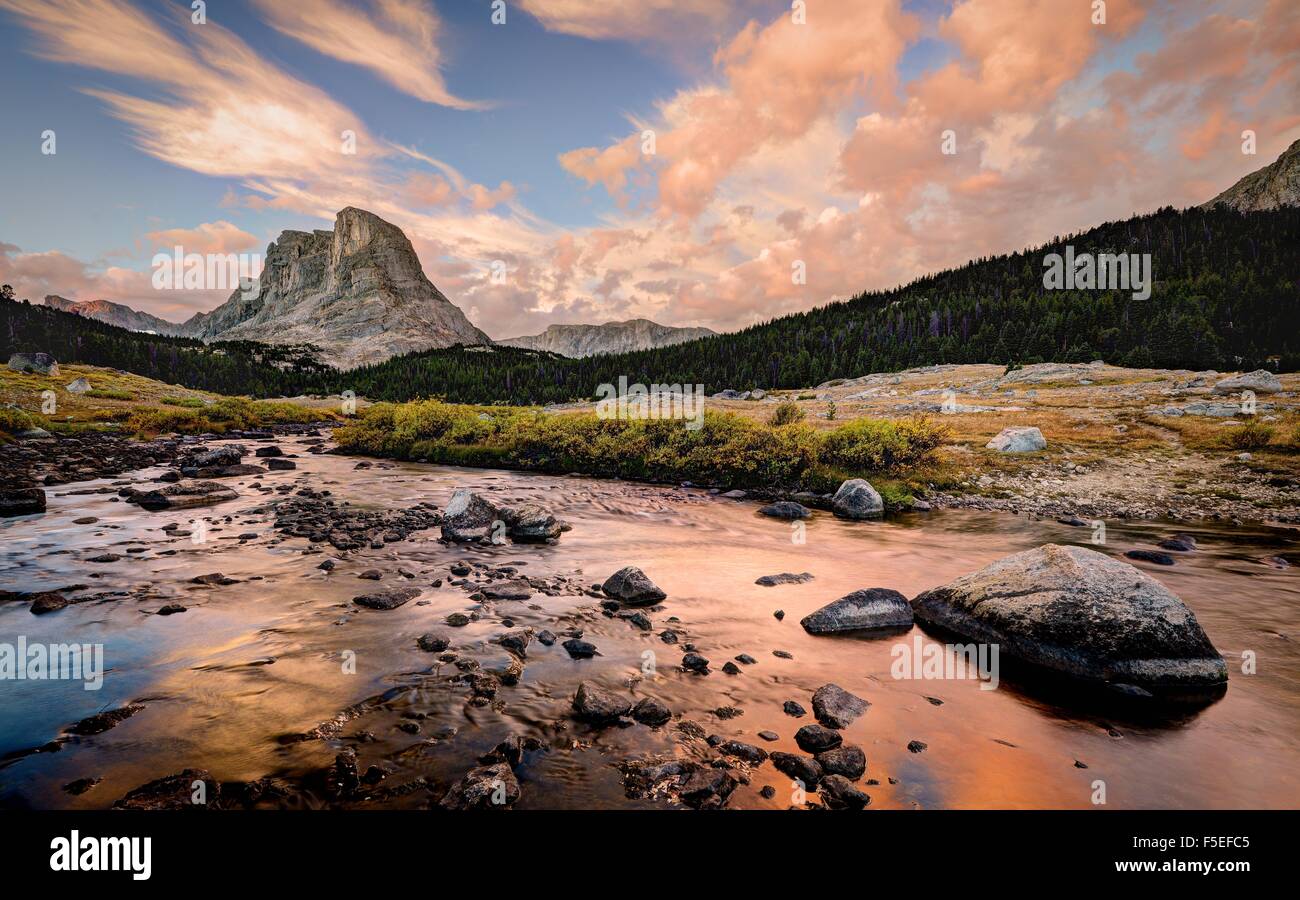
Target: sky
[696, 162]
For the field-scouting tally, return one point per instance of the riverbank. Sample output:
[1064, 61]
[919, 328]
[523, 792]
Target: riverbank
[1120, 443]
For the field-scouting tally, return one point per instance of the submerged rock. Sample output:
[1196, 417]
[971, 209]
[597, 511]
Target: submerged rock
[1083, 614]
[390, 598]
[857, 499]
[650, 711]
[786, 509]
[798, 767]
[846, 760]
[783, 578]
[837, 792]
[835, 707]
[22, 501]
[859, 611]
[175, 792]
[816, 738]
[1151, 556]
[486, 787]
[182, 496]
[631, 586]
[595, 704]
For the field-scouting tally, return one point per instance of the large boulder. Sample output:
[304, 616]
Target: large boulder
[79, 386]
[34, 363]
[1261, 381]
[1018, 440]
[1082, 614]
[22, 501]
[629, 585]
[210, 459]
[468, 517]
[857, 499]
[861, 611]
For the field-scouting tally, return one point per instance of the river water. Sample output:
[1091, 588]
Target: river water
[248, 663]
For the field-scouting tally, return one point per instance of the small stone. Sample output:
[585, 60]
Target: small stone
[816, 738]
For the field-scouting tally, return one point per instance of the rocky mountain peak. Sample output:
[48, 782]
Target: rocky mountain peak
[357, 291]
[1276, 185]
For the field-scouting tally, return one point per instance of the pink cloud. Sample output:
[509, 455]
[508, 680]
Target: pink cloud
[399, 40]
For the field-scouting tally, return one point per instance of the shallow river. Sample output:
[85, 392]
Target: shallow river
[251, 662]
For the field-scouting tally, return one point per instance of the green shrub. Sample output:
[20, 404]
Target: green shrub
[13, 420]
[226, 414]
[107, 394]
[877, 445]
[786, 413]
[1253, 435]
[187, 402]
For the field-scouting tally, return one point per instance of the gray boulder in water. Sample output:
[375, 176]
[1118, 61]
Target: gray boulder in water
[1082, 614]
[1261, 381]
[468, 517]
[1018, 440]
[786, 509]
[530, 523]
[35, 363]
[857, 499]
[631, 586]
[182, 496]
[861, 611]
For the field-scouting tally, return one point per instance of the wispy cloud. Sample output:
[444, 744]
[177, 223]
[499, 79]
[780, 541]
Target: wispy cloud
[398, 40]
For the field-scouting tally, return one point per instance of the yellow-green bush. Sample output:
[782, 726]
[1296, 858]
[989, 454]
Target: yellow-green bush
[226, 414]
[727, 449]
[878, 445]
[1253, 435]
[786, 413]
[14, 420]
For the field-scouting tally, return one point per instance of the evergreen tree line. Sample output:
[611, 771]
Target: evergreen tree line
[1226, 295]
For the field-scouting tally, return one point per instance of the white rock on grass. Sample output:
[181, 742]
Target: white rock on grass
[1018, 440]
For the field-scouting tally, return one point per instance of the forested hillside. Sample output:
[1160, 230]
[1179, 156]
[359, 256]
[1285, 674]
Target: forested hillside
[1226, 296]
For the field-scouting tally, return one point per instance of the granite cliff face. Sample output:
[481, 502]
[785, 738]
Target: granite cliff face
[611, 337]
[115, 314]
[1271, 187]
[357, 292]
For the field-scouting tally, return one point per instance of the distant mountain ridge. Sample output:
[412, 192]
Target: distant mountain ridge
[577, 341]
[1274, 186]
[115, 314]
